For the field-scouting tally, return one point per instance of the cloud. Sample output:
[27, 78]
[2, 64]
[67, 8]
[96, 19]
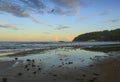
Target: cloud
[67, 3]
[107, 12]
[61, 27]
[17, 11]
[114, 20]
[83, 17]
[7, 26]
[26, 8]
[20, 7]
[34, 19]
[66, 7]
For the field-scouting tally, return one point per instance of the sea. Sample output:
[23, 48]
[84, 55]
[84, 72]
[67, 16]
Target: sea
[63, 54]
[13, 47]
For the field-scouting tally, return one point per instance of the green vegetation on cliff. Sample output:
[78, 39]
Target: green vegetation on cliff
[112, 35]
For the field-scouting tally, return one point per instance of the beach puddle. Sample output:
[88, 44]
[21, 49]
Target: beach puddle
[66, 63]
[62, 57]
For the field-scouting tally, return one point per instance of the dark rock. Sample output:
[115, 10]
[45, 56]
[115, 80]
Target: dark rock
[33, 65]
[70, 62]
[28, 60]
[61, 59]
[90, 65]
[26, 66]
[82, 60]
[33, 60]
[54, 75]
[84, 75]
[34, 72]
[4, 80]
[16, 58]
[28, 69]
[19, 74]
[96, 74]
[93, 80]
[60, 66]
[39, 69]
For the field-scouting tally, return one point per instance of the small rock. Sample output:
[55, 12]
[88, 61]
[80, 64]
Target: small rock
[84, 75]
[33, 65]
[34, 72]
[4, 80]
[93, 80]
[39, 68]
[28, 60]
[96, 74]
[61, 59]
[70, 62]
[16, 58]
[33, 60]
[19, 74]
[26, 66]
[54, 75]
[28, 69]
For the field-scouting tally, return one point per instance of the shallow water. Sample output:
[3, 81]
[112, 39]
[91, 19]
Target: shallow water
[62, 57]
[66, 55]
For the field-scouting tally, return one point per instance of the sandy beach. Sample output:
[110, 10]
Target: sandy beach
[59, 40]
[103, 68]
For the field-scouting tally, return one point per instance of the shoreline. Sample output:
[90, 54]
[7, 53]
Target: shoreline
[100, 48]
[104, 70]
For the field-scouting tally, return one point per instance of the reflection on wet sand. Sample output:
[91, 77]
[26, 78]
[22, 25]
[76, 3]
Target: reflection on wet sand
[58, 65]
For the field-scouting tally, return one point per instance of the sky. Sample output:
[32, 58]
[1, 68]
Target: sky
[56, 20]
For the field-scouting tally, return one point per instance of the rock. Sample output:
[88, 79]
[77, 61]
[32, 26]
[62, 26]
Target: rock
[70, 62]
[39, 69]
[28, 60]
[33, 60]
[33, 65]
[54, 75]
[84, 75]
[28, 69]
[96, 74]
[4, 80]
[61, 59]
[26, 66]
[93, 80]
[19, 74]
[16, 58]
[34, 72]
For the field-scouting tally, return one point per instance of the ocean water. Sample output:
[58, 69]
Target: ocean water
[64, 56]
[13, 47]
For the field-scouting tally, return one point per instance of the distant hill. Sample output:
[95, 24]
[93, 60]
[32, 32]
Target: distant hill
[112, 35]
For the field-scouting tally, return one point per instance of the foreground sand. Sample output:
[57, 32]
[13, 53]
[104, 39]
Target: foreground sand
[111, 70]
[107, 70]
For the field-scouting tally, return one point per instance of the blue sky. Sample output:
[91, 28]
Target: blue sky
[54, 20]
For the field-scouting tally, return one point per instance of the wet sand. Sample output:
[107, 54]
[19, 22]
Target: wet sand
[111, 69]
[18, 70]
[21, 73]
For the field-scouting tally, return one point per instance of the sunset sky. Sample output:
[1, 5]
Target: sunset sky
[56, 20]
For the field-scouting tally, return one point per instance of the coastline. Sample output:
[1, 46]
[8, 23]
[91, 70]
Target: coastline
[104, 70]
[86, 46]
